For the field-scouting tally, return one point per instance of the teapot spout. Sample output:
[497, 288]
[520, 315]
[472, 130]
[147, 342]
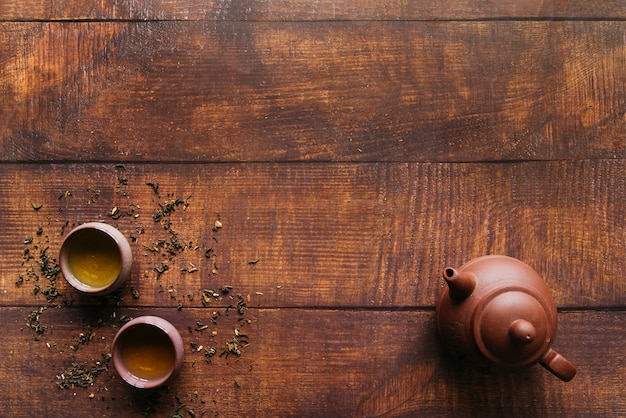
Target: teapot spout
[461, 283]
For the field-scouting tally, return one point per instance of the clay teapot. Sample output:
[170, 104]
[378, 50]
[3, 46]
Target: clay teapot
[498, 314]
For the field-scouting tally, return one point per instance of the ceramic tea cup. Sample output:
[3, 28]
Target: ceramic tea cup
[147, 352]
[95, 258]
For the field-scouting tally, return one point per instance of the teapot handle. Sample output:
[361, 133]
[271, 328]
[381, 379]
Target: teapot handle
[558, 365]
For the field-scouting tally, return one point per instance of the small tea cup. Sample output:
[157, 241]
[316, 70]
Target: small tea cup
[95, 258]
[147, 351]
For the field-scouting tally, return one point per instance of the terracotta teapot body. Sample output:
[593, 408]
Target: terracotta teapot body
[498, 314]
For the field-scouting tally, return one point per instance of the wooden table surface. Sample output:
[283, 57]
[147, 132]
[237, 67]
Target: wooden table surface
[349, 151]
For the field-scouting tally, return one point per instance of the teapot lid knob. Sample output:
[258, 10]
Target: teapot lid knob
[522, 331]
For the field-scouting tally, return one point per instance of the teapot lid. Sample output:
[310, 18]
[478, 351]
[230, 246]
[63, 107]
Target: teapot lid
[511, 326]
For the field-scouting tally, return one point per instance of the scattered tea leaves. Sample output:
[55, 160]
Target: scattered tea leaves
[32, 320]
[234, 346]
[171, 246]
[190, 269]
[65, 225]
[65, 195]
[46, 267]
[79, 375]
[125, 318]
[238, 333]
[155, 187]
[209, 353]
[42, 271]
[93, 196]
[177, 413]
[160, 269]
[168, 207]
[115, 213]
[83, 339]
[200, 326]
[242, 307]
[51, 271]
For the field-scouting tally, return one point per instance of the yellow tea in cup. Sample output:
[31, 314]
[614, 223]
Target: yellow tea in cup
[95, 258]
[147, 352]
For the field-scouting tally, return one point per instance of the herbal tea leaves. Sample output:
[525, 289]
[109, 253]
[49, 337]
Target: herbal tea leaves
[38, 265]
[32, 321]
[79, 375]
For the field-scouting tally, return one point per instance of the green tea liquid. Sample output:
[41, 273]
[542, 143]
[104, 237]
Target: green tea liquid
[94, 258]
[147, 352]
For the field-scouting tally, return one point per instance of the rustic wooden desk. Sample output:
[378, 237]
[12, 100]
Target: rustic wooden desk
[324, 160]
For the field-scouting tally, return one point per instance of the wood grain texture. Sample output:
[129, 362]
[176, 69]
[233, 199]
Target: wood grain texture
[312, 91]
[331, 235]
[350, 150]
[281, 10]
[313, 363]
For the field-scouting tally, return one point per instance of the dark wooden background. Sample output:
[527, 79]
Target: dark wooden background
[350, 150]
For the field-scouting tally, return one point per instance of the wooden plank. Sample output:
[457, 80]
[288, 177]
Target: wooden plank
[342, 91]
[280, 10]
[310, 363]
[340, 235]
